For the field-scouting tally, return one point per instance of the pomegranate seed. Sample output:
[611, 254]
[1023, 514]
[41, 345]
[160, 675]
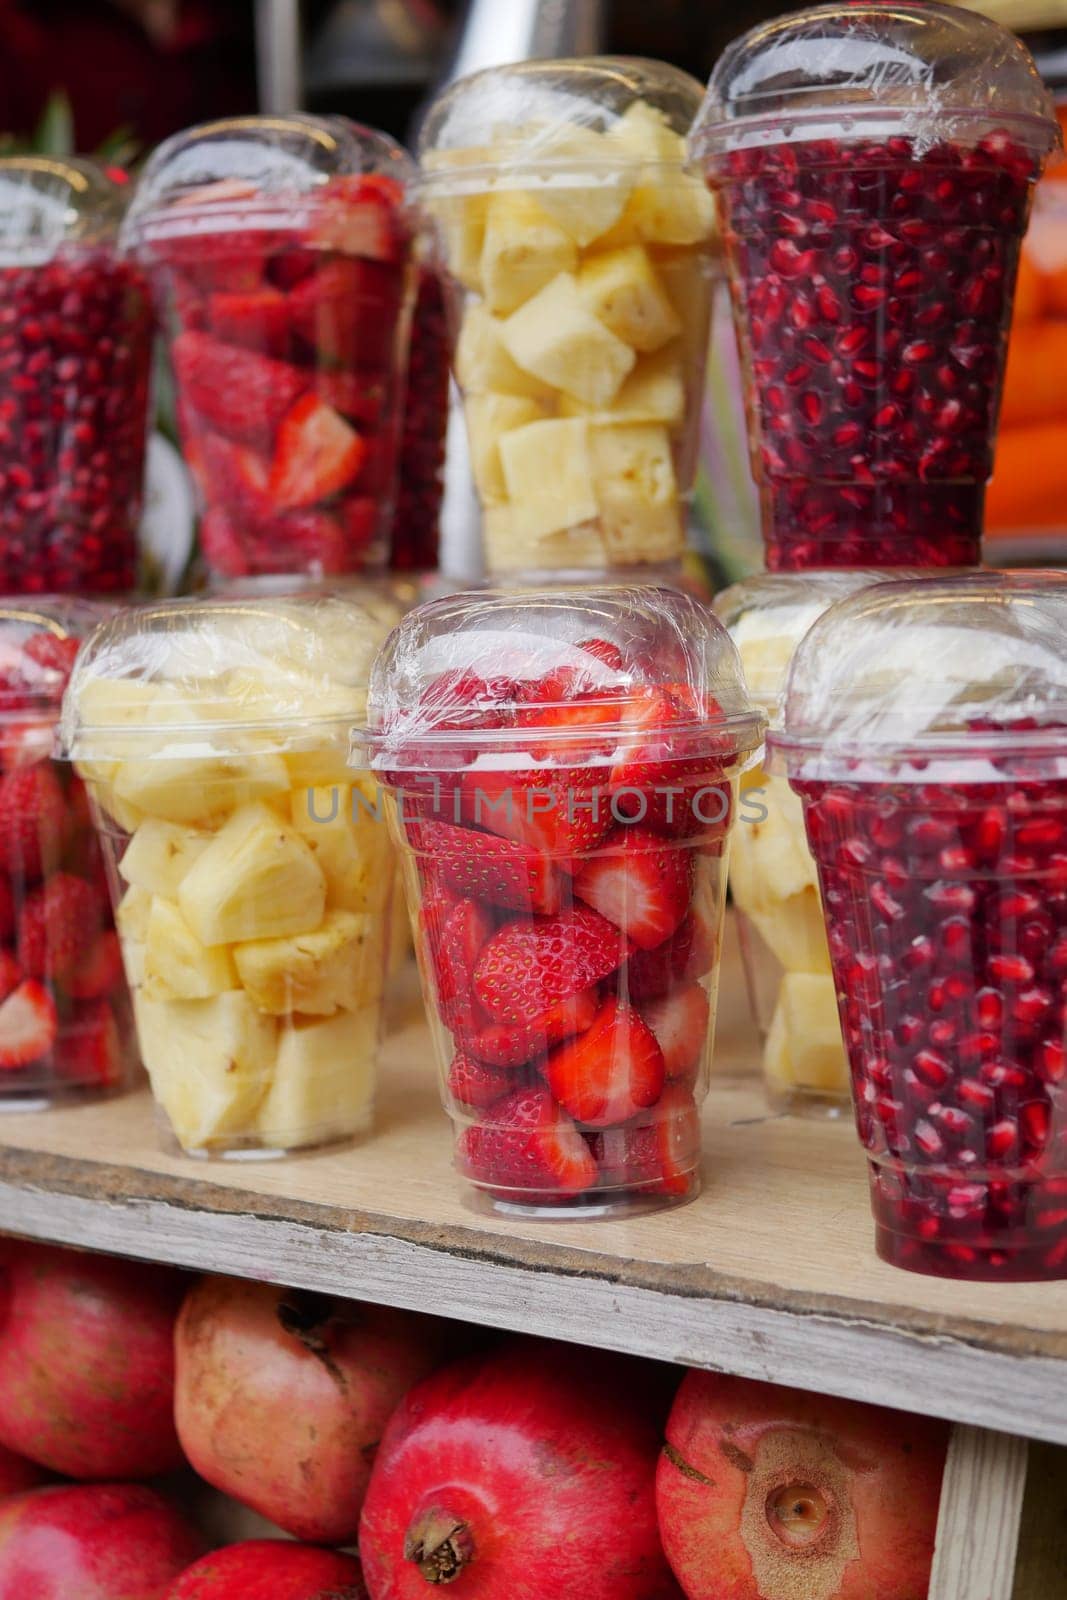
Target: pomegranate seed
[932, 1069]
[1011, 969]
[1052, 1061]
[1002, 1138]
[978, 1096]
[1034, 1123]
[928, 1140]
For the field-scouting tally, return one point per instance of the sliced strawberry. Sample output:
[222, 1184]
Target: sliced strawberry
[467, 700]
[240, 392]
[99, 970]
[54, 654]
[361, 216]
[658, 1154]
[609, 1073]
[500, 1046]
[291, 265]
[236, 479]
[360, 398]
[7, 909]
[605, 651]
[689, 953]
[28, 1025]
[661, 758]
[26, 743]
[89, 1050]
[10, 974]
[349, 310]
[360, 517]
[222, 544]
[310, 542]
[639, 882]
[559, 812]
[33, 821]
[455, 940]
[256, 319]
[57, 925]
[485, 867]
[680, 1019]
[316, 454]
[531, 964]
[527, 1144]
[474, 1083]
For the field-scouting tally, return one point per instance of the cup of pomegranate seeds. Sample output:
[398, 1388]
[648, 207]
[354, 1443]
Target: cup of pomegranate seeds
[561, 768]
[415, 543]
[65, 1024]
[925, 731]
[875, 165]
[582, 253]
[282, 252]
[773, 877]
[75, 348]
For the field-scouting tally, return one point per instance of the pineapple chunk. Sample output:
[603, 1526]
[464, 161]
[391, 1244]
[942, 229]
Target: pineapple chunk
[483, 365]
[524, 249]
[667, 207]
[621, 288]
[794, 930]
[489, 416]
[133, 912]
[176, 965]
[585, 204]
[687, 277]
[160, 854]
[321, 765]
[776, 861]
[636, 491]
[804, 1046]
[193, 789]
[645, 134]
[548, 473]
[349, 842]
[654, 392]
[462, 221]
[257, 879]
[577, 547]
[556, 337]
[323, 1085]
[133, 962]
[338, 966]
[210, 1063]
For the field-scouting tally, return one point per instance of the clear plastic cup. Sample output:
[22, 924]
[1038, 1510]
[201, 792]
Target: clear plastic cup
[562, 771]
[250, 869]
[415, 543]
[75, 349]
[773, 878]
[875, 165]
[282, 251]
[925, 731]
[582, 257]
[66, 1030]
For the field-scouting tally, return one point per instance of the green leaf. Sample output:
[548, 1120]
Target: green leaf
[54, 134]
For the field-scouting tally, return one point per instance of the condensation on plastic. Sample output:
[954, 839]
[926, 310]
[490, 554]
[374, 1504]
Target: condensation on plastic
[665, 637]
[767, 616]
[220, 677]
[565, 122]
[254, 172]
[28, 688]
[932, 73]
[47, 202]
[894, 680]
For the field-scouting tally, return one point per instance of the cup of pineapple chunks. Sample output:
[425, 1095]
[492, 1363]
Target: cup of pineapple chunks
[251, 877]
[582, 257]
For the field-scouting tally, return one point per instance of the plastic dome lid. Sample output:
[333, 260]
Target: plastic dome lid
[47, 202]
[500, 674]
[251, 172]
[767, 616]
[970, 667]
[587, 115]
[212, 671]
[860, 70]
[39, 639]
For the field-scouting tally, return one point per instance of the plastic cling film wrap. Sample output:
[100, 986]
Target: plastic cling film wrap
[930, 73]
[541, 678]
[39, 640]
[968, 671]
[47, 202]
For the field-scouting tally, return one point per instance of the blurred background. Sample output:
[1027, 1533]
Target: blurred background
[118, 76]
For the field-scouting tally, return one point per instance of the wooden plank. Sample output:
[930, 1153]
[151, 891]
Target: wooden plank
[1041, 1570]
[979, 1517]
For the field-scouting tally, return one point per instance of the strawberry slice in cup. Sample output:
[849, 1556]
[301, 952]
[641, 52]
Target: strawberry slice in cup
[288, 297]
[561, 771]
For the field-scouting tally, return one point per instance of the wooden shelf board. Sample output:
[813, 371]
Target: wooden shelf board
[770, 1274]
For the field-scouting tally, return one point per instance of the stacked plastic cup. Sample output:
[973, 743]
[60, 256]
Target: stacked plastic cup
[925, 731]
[75, 347]
[562, 768]
[282, 252]
[875, 165]
[582, 254]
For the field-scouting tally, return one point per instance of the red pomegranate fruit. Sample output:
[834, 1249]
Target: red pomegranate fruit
[17, 1474]
[282, 1397]
[269, 1569]
[87, 1362]
[101, 1541]
[767, 1493]
[520, 1475]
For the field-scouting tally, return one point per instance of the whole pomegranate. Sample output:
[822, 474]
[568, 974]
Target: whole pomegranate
[101, 1541]
[520, 1475]
[268, 1569]
[281, 1397]
[18, 1474]
[87, 1362]
[767, 1493]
